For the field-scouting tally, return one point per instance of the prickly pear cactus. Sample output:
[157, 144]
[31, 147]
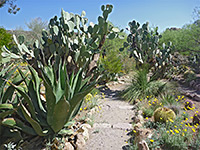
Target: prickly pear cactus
[143, 46]
[162, 114]
[70, 39]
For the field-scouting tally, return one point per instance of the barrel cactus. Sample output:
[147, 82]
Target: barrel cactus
[162, 114]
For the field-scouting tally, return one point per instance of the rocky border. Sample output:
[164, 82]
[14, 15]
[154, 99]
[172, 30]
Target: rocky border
[79, 140]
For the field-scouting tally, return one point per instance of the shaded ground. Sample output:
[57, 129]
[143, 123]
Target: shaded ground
[112, 123]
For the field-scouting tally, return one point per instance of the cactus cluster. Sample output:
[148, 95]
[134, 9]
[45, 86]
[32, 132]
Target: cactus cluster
[143, 46]
[65, 63]
[162, 114]
[69, 40]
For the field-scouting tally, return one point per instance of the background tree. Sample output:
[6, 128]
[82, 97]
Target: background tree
[36, 25]
[13, 9]
[5, 38]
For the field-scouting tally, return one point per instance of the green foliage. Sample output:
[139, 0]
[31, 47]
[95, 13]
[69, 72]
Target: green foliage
[168, 99]
[90, 101]
[162, 114]
[148, 112]
[111, 66]
[185, 40]
[142, 87]
[5, 38]
[111, 48]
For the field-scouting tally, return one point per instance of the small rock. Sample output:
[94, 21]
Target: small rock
[143, 145]
[191, 83]
[196, 97]
[102, 125]
[140, 119]
[80, 142]
[68, 146]
[85, 133]
[124, 126]
[137, 126]
[140, 112]
[86, 126]
[126, 107]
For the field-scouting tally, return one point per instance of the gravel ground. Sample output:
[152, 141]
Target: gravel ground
[112, 123]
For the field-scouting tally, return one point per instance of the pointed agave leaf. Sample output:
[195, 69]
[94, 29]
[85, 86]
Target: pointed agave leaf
[48, 75]
[60, 87]
[50, 98]
[36, 126]
[6, 113]
[37, 87]
[24, 77]
[7, 94]
[6, 106]
[79, 96]
[76, 80]
[60, 115]
[27, 99]
[23, 127]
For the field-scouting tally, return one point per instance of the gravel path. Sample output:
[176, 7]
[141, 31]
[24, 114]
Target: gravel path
[112, 123]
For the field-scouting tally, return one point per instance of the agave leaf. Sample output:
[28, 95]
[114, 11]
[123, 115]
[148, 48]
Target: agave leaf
[6, 113]
[60, 87]
[24, 77]
[74, 84]
[79, 96]
[23, 127]
[60, 115]
[50, 100]
[36, 79]
[27, 99]
[6, 106]
[36, 126]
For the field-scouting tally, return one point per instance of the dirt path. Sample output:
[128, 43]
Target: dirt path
[112, 123]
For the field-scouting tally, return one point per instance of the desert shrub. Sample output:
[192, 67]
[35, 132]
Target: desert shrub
[90, 101]
[142, 86]
[5, 38]
[111, 64]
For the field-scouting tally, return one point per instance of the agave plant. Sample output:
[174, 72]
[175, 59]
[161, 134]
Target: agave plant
[63, 96]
